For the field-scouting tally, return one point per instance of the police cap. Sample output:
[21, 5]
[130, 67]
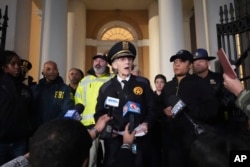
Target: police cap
[121, 49]
[202, 54]
[25, 65]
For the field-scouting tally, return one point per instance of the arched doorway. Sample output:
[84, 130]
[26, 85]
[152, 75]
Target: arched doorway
[113, 32]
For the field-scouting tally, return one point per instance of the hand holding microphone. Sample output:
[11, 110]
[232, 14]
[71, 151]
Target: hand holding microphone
[99, 126]
[128, 138]
[110, 103]
[176, 105]
[167, 111]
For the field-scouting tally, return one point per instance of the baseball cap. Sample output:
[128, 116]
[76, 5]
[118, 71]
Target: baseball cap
[100, 55]
[183, 55]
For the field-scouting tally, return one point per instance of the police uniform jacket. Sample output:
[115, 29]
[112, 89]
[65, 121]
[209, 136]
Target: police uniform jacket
[198, 96]
[15, 109]
[225, 98]
[216, 82]
[138, 91]
[52, 100]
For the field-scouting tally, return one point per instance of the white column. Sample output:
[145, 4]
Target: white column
[76, 35]
[186, 23]
[54, 34]
[154, 42]
[171, 30]
[201, 23]
[23, 26]
[206, 18]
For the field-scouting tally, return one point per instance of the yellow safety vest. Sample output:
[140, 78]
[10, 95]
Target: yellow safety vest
[87, 93]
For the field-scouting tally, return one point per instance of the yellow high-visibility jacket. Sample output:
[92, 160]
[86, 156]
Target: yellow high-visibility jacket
[87, 93]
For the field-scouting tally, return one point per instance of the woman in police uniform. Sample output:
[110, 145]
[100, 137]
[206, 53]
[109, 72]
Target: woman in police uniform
[126, 88]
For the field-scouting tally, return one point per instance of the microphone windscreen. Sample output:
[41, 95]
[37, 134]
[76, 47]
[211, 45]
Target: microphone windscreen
[131, 107]
[79, 108]
[176, 103]
[172, 100]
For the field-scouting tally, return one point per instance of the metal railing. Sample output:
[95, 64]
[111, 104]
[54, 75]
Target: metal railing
[3, 27]
[233, 34]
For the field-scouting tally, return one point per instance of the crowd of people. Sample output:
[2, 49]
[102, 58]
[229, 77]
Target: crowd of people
[124, 122]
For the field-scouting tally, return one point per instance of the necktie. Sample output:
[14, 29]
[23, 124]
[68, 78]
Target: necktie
[125, 87]
[125, 82]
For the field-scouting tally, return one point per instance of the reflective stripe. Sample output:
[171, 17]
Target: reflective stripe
[91, 79]
[87, 93]
[89, 116]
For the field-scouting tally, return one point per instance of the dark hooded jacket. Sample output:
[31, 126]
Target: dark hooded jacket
[15, 111]
[201, 107]
[198, 97]
[52, 100]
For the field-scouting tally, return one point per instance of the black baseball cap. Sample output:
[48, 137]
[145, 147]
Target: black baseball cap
[183, 55]
[100, 55]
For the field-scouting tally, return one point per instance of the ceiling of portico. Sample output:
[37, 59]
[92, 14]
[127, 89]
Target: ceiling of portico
[122, 4]
[127, 4]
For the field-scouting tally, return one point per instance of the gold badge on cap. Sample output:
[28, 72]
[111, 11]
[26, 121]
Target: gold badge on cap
[138, 90]
[125, 45]
[25, 63]
[180, 52]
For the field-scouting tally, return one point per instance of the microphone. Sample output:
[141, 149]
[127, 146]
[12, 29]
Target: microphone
[75, 113]
[177, 104]
[131, 108]
[110, 103]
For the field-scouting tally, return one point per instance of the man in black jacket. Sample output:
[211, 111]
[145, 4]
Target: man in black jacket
[128, 89]
[52, 97]
[228, 114]
[200, 106]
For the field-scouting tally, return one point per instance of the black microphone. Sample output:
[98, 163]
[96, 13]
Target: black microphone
[110, 103]
[75, 112]
[131, 108]
[176, 103]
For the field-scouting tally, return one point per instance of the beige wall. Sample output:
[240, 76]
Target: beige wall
[35, 43]
[138, 19]
[90, 50]
[95, 19]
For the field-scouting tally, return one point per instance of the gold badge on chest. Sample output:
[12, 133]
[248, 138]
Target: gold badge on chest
[138, 90]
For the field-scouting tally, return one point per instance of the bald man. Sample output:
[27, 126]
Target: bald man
[52, 97]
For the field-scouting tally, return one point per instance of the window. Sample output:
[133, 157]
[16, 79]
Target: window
[117, 33]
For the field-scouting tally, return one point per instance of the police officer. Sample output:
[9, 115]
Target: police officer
[126, 88]
[25, 68]
[200, 107]
[201, 63]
